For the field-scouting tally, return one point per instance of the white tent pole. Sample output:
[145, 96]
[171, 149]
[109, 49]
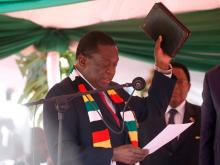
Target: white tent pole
[53, 68]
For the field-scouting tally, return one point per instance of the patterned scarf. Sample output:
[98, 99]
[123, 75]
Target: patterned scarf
[100, 133]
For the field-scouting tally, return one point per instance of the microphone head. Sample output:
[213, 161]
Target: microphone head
[138, 83]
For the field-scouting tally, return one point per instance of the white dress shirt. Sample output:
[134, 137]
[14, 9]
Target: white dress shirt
[178, 119]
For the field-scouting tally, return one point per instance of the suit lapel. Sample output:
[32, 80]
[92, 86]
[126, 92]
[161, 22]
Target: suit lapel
[188, 117]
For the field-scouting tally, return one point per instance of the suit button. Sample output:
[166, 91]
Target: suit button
[170, 154]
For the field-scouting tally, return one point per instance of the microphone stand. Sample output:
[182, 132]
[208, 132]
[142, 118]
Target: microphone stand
[61, 107]
[60, 136]
[61, 104]
[66, 98]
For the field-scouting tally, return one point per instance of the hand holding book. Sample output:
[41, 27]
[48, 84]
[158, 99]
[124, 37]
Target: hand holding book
[160, 21]
[162, 60]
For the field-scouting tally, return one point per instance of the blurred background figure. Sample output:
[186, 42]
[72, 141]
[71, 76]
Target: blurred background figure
[210, 127]
[184, 149]
[39, 151]
[14, 131]
[20, 144]
[11, 146]
[9, 93]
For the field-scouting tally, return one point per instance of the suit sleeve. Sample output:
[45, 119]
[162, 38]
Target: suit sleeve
[73, 152]
[208, 119]
[158, 98]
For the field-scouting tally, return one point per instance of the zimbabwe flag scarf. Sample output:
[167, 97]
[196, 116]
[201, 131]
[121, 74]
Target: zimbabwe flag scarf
[101, 138]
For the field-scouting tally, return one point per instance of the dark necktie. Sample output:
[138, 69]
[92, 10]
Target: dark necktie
[172, 113]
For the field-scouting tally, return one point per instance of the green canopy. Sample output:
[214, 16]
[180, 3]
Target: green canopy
[18, 5]
[200, 52]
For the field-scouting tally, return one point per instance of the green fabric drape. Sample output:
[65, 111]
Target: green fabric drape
[16, 34]
[200, 52]
[18, 5]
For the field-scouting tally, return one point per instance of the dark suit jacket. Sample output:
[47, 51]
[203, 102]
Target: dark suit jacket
[210, 126]
[77, 143]
[187, 149]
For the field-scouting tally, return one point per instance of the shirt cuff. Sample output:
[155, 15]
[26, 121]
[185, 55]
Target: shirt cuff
[167, 73]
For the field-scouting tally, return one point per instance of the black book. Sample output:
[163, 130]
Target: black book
[160, 21]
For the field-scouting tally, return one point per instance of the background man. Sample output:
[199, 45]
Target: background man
[184, 149]
[210, 126]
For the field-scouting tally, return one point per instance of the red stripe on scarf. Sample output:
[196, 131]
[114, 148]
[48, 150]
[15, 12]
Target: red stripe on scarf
[135, 143]
[100, 136]
[116, 99]
[82, 88]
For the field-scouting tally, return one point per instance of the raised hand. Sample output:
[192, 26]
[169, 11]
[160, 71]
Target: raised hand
[162, 60]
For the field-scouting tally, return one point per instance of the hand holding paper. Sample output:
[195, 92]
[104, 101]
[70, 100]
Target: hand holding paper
[168, 134]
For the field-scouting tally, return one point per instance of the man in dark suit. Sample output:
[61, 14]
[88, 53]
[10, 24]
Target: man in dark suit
[184, 149]
[210, 126]
[94, 130]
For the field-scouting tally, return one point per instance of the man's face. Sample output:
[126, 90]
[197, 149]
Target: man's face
[181, 88]
[99, 68]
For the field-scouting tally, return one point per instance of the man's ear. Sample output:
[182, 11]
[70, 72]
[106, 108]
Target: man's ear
[81, 60]
[189, 86]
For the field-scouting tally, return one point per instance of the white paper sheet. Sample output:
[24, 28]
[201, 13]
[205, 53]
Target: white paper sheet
[168, 134]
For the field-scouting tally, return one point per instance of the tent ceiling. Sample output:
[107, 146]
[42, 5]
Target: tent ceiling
[92, 12]
[200, 52]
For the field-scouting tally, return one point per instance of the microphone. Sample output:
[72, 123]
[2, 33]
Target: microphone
[138, 84]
